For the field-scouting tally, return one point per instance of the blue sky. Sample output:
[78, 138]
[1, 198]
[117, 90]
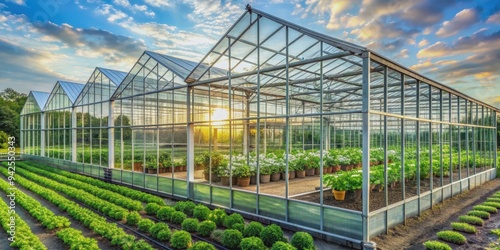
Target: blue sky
[453, 42]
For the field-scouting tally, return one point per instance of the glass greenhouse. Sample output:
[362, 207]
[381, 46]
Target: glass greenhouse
[267, 123]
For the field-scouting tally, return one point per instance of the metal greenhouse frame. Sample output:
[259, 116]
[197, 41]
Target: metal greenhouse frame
[268, 93]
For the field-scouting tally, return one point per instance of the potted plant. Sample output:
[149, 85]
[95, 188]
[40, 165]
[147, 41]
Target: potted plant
[165, 160]
[242, 172]
[356, 183]
[311, 163]
[338, 182]
[344, 162]
[152, 167]
[210, 163]
[224, 172]
[377, 179]
[265, 173]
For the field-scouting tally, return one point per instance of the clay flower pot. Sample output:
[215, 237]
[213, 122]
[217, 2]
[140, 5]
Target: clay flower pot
[338, 195]
[243, 181]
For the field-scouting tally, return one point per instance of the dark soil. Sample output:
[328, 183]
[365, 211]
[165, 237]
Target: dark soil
[420, 229]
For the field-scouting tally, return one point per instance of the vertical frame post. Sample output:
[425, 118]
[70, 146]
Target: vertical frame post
[111, 135]
[366, 146]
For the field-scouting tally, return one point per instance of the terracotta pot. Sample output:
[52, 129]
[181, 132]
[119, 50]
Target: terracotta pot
[235, 180]
[291, 174]
[338, 195]
[253, 179]
[265, 178]
[310, 172]
[325, 170]
[335, 169]
[243, 181]
[152, 170]
[283, 175]
[300, 173]
[137, 166]
[329, 169]
[345, 167]
[317, 171]
[224, 181]
[275, 177]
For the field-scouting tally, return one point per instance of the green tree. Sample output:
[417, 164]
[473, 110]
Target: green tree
[12, 103]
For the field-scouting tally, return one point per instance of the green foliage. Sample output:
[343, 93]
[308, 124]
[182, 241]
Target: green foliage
[152, 208]
[463, 227]
[201, 245]
[180, 240]
[493, 199]
[190, 225]
[218, 216]
[133, 218]
[303, 241]
[178, 217]
[201, 212]
[156, 228]
[280, 245]
[142, 245]
[452, 236]
[491, 204]
[252, 243]
[216, 235]
[165, 213]
[144, 225]
[75, 239]
[239, 226]
[163, 235]
[253, 229]
[186, 207]
[12, 103]
[231, 238]
[480, 214]
[488, 209]
[496, 232]
[232, 219]
[271, 234]
[205, 228]
[436, 245]
[473, 220]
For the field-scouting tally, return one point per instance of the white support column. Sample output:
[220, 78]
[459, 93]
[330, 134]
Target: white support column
[190, 144]
[327, 133]
[73, 134]
[246, 128]
[111, 135]
[366, 148]
[42, 134]
[21, 136]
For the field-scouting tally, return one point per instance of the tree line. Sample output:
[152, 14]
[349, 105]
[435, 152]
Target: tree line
[11, 105]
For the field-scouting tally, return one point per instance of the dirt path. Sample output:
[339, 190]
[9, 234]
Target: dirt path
[420, 229]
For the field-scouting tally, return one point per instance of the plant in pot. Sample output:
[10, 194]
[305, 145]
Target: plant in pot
[210, 163]
[339, 184]
[393, 173]
[344, 162]
[242, 172]
[223, 172]
[355, 183]
[265, 173]
[312, 163]
[356, 158]
[332, 162]
[377, 179]
[165, 159]
[152, 167]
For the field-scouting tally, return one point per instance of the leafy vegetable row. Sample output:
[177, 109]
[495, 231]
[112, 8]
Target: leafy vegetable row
[41, 213]
[23, 237]
[75, 240]
[110, 196]
[125, 191]
[103, 206]
[90, 219]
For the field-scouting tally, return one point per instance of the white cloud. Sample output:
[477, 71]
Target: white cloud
[403, 54]
[423, 43]
[160, 3]
[461, 21]
[494, 18]
[124, 3]
[18, 2]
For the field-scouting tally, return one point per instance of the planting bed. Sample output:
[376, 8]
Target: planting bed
[421, 229]
[99, 211]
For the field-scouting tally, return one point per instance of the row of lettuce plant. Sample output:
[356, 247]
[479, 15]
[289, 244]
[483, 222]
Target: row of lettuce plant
[93, 221]
[127, 192]
[110, 196]
[20, 233]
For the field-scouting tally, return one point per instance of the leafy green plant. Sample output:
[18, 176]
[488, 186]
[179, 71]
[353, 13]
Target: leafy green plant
[232, 219]
[133, 218]
[239, 226]
[75, 239]
[216, 235]
[152, 208]
[190, 225]
[280, 245]
[178, 217]
[452, 236]
[143, 245]
[271, 234]
[164, 235]
[473, 220]
[480, 214]
[201, 245]
[242, 170]
[463, 227]
[436, 245]
[231, 238]
[338, 181]
[205, 228]
[201, 212]
[302, 241]
[492, 199]
[186, 207]
[144, 225]
[180, 240]
[491, 204]
[496, 232]
[488, 209]
[154, 230]
[252, 243]
[253, 229]
[217, 215]
[165, 213]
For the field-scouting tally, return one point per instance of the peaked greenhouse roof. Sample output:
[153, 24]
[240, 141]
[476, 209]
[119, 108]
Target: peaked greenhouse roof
[100, 86]
[63, 95]
[35, 102]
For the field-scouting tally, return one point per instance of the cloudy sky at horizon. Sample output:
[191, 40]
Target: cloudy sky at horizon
[456, 43]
